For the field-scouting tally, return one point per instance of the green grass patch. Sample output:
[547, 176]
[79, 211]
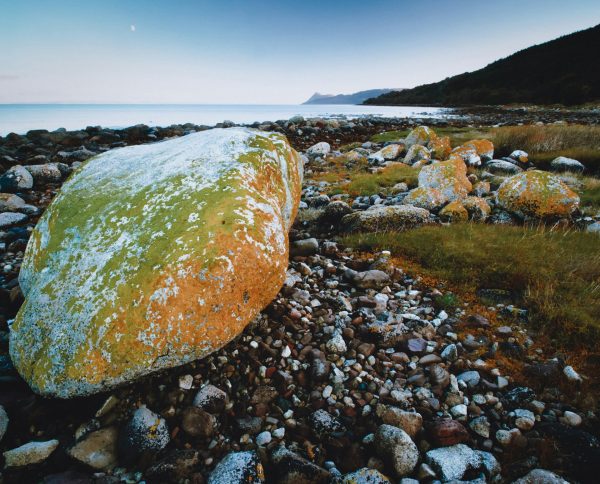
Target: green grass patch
[554, 274]
[371, 183]
[390, 136]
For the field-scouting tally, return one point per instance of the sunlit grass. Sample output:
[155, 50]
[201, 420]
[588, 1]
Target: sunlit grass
[555, 274]
[544, 143]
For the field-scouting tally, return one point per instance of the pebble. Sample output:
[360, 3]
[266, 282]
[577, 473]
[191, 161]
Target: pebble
[30, 453]
[524, 419]
[145, 431]
[97, 449]
[571, 418]
[186, 382]
[263, 438]
[397, 448]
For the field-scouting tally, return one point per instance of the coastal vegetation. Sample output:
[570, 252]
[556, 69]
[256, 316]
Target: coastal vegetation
[554, 273]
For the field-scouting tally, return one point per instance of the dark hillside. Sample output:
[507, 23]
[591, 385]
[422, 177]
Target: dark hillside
[562, 71]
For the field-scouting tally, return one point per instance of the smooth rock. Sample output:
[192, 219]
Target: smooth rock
[97, 449]
[30, 453]
[563, 163]
[198, 422]
[410, 422]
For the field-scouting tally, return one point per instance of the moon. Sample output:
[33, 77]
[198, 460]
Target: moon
[132, 28]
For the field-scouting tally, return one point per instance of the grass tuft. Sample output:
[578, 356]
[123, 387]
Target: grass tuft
[555, 274]
[370, 183]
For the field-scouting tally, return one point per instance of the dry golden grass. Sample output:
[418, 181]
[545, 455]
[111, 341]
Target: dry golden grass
[544, 143]
[555, 274]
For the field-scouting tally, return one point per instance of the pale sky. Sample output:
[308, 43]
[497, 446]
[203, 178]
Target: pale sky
[264, 52]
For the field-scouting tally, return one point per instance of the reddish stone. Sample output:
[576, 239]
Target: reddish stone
[448, 432]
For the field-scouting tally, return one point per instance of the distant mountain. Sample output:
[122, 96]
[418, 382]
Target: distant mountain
[355, 98]
[562, 71]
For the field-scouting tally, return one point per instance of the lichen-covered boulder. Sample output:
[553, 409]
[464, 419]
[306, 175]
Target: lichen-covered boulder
[383, 218]
[477, 208]
[152, 256]
[483, 147]
[416, 153]
[424, 197]
[421, 135]
[440, 147]
[467, 154]
[389, 152]
[450, 177]
[537, 194]
[454, 212]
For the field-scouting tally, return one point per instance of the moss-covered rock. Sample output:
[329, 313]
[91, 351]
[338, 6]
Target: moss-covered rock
[537, 194]
[152, 256]
[454, 212]
[431, 199]
[450, 177]
[382, 218]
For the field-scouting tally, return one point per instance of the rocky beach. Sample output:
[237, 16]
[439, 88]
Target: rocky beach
[362, 368]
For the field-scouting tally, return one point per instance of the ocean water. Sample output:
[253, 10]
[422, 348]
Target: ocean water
[20, 118]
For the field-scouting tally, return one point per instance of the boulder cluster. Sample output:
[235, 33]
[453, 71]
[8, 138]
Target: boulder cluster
[454, 184]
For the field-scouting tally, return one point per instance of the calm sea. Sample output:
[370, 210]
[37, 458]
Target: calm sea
[20, 118]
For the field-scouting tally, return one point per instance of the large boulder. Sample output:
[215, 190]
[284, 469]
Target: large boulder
[562, 163]
[537, 194]
[502, 167]
[421, 135]
[450, 177]
[152, 256]
[424, 197]
[382, 218]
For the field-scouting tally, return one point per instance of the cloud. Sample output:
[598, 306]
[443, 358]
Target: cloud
[132, 27]
[8, 77]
